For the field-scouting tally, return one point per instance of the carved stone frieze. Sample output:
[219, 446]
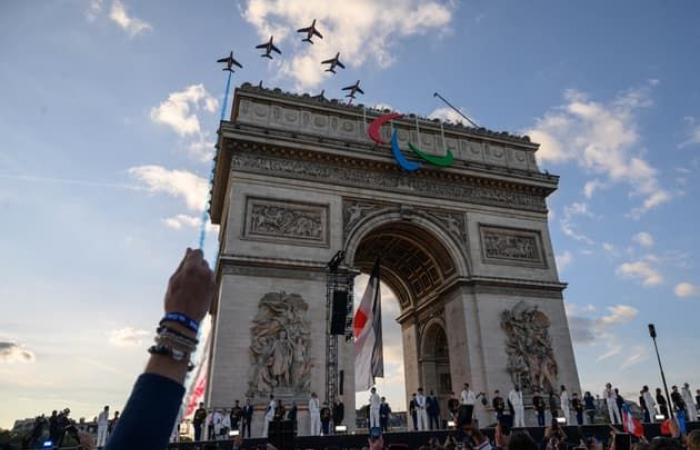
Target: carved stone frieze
[465, 190]
[509, 245]
[356, 210]
[286, 221]
[531, 361]
[280, 345]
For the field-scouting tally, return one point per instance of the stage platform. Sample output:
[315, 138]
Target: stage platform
[408, 439]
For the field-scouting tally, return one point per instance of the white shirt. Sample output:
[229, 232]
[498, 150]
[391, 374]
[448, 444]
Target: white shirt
[226, 421]
[467, 397]
[271, 410]
[103, 418]
[609, 395]
[649, 399]
[420, 401]
[687, 396]
[314, 407]
[564, 399]
[516, 398]
[374, 401]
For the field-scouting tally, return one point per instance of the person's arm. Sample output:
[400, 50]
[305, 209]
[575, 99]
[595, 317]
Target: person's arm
[147, 420]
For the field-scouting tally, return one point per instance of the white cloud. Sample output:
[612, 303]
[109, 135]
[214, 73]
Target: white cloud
[685, 290]
[644, 239]
[361, 30]
[181, 221]
[448, 115]
[132, 25]
[94, 9]
[568, 227]
[176, 183]
[591, 186]
[201, 149]
[618, 315]
[587, 329]
[564, 259]
[179, 110]
[636, 355]
[693, 132]
[608, 247]
[641, 270]
[127, 337]
[602, 138]
[11, 352]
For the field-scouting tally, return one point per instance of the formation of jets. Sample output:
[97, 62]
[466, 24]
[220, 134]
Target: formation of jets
[230, 62]
[269, 48]
[310, 32]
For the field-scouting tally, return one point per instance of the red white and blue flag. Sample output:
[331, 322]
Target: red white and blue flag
[367, 330]
[631, 424]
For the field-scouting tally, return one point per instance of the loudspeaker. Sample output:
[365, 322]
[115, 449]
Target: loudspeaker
[339, 312]
[341, 381]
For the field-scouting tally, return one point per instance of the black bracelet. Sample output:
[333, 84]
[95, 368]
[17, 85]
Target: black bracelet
[169, 352]
[160, 329]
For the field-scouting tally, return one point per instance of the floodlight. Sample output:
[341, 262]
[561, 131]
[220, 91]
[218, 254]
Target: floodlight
[561, 420]
[234, 433]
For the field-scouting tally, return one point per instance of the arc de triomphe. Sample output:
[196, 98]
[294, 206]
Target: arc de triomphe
[466, 249]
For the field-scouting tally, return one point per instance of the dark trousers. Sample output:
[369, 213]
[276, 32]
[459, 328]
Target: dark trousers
[434, 418]
[326, 427]
[647, 418]
[384, 423]
[579, 417]
[245, 429]
[540, 417]
[591, 416]
[415, 420]
[464, 417]
[197, 432]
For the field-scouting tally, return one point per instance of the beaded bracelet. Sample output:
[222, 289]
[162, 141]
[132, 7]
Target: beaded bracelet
[172, 353]
[165, 328]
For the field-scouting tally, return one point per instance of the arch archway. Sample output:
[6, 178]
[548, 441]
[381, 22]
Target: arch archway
[419, 261]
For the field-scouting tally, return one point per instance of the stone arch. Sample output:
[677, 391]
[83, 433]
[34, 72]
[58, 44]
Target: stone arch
[418, 254]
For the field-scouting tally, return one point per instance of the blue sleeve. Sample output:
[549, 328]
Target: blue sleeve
[148, 417]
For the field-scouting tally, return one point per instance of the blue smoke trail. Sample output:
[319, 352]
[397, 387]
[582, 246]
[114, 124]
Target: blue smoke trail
[205, 211]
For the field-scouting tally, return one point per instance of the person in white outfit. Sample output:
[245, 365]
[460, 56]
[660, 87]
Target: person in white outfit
[314, 416]
[225, 423]
[467, 400]
[515, 397]
[375, 402]
[421, 411]
[689, 403]
[565, 406]
[102, 427]
[649, 404]
[269, 415]
[611, 399]
[216, 419]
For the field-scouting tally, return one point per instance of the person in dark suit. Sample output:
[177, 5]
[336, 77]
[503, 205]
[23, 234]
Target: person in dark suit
[384, 414]
[539, 405]
[413, 411]
[200, 415]
[619, 401]
[433, 411]
[247, 418]
[663, 404]
[589, 405]
[577, 406]
[235, 416]
[677, 399]
[498, 405]
[292, 415]
[553, 401]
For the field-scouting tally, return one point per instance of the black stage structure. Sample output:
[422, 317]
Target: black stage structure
[410, 439]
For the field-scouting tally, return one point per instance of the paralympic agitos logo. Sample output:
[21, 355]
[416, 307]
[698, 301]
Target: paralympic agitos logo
[402, 161]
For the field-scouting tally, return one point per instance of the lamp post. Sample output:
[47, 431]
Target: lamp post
[652, 333]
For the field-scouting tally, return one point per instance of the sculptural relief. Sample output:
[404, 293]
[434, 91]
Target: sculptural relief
[266, 218]
[531, 361]
[280, 346]
[511, 245]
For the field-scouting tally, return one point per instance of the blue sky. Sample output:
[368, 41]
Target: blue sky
[108, 110]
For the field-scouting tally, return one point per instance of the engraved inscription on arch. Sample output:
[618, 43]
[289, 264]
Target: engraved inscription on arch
[500, 245]
[286, 222]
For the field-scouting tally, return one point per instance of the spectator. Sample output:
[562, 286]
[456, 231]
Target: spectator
[521, 440]
[147, 420]
[694, 440]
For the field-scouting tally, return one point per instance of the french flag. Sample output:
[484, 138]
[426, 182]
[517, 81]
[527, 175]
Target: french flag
[367, 330]
[631, 424]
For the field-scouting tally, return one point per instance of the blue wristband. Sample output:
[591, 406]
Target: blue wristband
[182, 319]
